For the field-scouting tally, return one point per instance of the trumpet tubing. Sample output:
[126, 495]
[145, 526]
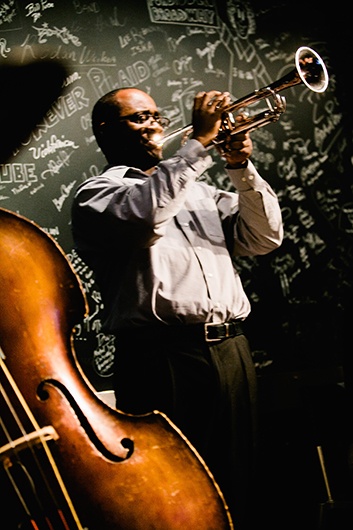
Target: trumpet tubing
[309, 70]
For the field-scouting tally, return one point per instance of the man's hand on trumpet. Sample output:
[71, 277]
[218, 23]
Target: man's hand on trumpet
[206, 121]
[237, 148]
[207, 115]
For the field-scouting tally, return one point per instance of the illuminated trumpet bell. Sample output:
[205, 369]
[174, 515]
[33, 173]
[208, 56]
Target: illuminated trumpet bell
[309, 69]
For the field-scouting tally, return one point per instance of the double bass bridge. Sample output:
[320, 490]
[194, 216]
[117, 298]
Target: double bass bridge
[36, 437]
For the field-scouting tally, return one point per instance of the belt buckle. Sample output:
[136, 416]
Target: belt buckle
[213, 324]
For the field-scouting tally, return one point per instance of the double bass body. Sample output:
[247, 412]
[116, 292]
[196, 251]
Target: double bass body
[70, 461]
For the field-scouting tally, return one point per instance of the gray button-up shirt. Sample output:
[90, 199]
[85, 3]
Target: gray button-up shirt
[162, 245]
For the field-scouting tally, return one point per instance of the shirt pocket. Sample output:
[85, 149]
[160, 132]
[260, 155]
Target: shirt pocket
[206, 217]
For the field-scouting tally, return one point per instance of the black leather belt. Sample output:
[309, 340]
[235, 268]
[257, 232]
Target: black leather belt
[209, 332]
[215, 332]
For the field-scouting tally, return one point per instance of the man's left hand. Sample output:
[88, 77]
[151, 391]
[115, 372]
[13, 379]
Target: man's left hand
[237, 149]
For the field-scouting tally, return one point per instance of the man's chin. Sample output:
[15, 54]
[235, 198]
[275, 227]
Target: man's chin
[154, 151]
[149, 158]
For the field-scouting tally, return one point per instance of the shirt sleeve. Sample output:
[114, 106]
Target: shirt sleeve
[146, 203]
[258, 228]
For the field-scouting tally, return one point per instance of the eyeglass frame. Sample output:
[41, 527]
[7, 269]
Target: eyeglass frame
[134, 118]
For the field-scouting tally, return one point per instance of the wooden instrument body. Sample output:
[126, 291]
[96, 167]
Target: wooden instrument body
[119, 471]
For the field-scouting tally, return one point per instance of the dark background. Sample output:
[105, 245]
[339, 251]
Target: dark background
[301, 294]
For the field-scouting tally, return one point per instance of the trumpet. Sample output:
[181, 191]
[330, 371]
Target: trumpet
[309, 69]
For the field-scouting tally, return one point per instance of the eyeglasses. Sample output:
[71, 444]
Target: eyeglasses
[144, 116]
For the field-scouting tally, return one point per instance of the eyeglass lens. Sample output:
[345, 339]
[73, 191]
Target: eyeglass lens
[142, 117]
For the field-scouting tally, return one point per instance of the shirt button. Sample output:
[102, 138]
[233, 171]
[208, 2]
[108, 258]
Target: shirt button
[209, 274]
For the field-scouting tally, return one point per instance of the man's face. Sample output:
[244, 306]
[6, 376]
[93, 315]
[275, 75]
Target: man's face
[140, 122]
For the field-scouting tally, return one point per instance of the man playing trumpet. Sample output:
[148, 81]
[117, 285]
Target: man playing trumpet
[161, 244]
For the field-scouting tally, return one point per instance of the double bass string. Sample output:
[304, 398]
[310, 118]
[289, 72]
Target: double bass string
[28, 440]
[16, 471]
[8, 466]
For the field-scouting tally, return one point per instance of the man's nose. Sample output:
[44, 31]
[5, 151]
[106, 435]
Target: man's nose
[154, 121]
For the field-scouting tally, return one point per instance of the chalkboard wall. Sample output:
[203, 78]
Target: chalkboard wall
[300, 293]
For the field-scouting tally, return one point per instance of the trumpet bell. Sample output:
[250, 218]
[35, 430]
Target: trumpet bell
[311, 69]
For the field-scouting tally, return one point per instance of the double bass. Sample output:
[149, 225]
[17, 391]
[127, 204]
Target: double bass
[68, 460]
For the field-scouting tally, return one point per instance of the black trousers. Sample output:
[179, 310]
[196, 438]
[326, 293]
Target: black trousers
[207, 389]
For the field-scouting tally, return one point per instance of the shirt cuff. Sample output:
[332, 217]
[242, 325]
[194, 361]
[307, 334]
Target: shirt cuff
[246, 178]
